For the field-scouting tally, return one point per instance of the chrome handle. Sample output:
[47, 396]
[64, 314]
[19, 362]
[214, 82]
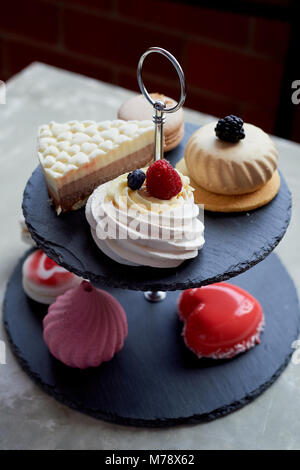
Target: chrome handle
[158, 105]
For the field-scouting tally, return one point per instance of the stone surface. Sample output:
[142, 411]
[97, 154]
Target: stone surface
[155, 380]
[30, 419]
[233, 242]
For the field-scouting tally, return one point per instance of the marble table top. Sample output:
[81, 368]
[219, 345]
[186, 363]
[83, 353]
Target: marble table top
[30, 419]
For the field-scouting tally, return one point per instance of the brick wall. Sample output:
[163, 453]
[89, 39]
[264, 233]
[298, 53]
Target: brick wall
[233, 62]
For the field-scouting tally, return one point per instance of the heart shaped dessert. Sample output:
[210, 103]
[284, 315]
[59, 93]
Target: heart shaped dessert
[188, 301]
[225, 321]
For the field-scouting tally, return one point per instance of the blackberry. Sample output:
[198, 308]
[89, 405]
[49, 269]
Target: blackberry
[135, 179]
[230, 129]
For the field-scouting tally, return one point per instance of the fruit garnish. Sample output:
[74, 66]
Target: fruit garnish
[230, 129]
[163, 181]
[136, 179]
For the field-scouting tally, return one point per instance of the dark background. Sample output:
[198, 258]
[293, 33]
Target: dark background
[239, 57]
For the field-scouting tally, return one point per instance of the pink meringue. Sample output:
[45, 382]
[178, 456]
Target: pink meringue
[85, 327]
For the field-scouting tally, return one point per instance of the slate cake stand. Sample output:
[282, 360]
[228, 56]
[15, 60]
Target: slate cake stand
[155, 380]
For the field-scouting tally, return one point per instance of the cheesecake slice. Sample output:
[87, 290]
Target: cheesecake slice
[76, 157]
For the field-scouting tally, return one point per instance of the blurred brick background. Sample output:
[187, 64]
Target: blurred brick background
[233, 62]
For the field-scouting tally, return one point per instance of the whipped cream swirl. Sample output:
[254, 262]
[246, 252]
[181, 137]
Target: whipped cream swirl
[136, 229]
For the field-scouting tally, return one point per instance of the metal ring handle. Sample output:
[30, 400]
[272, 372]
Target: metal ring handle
[179, 71]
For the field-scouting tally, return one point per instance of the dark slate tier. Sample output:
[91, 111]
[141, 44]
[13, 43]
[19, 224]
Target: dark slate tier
[234, 242]
[155, 380]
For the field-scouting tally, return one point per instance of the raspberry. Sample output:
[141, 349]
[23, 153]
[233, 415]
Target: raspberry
[136, 179]
[230, 129]
[163, 181]
[187, 302]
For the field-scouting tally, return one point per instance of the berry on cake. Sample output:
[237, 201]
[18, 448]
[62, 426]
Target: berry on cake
[78, 156]
[232, 166]
[146, 218]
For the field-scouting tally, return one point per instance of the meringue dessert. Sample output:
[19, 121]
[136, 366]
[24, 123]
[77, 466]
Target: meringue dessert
[78, 156]
[232, 165]
[85, 327]
[134, 227]
[44, 280]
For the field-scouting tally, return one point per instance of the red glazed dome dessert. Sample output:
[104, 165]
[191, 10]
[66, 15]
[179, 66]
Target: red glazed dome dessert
[227, 320]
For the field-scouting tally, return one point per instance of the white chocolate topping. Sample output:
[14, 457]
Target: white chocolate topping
[63, 148]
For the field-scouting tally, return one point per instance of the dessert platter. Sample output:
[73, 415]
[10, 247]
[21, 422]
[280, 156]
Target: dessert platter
[120, 309]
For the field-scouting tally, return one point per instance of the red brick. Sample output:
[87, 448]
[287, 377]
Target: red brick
[217, 106]
[204, 103]
[261, 116]
[273, 2]
[1, 56]
[158, 66]
[30, 18]
[271, 37]
[113, 40]
[21, 55]
[235, 75]
[203, 22]
[104, 5]
[97, 4]
[128, 80]
[5, 76]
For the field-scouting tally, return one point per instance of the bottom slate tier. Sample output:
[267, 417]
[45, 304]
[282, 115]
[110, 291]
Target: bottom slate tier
[155, 380]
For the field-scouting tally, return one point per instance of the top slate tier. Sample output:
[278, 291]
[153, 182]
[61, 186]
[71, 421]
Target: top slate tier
[234, 242]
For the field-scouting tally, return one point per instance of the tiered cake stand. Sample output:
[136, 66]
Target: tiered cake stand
[155, 380]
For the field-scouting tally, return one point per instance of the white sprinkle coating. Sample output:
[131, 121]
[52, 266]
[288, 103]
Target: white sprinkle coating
[67, 147]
